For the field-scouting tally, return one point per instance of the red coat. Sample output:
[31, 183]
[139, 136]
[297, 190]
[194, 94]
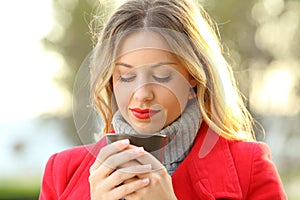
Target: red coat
[231, 170]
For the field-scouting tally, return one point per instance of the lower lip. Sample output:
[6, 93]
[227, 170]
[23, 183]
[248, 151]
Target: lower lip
[145, 115]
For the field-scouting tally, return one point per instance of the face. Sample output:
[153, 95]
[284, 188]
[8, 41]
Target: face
[151, 86]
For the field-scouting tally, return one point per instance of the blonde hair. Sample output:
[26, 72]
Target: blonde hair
[221, 104]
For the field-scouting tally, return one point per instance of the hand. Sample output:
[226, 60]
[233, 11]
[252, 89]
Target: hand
[160, 186]
[108, 181]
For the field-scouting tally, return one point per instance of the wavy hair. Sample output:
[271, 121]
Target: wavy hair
[193, 36]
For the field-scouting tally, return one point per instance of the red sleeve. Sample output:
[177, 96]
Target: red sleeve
[265, 182]
[66, 173]
[48, 189]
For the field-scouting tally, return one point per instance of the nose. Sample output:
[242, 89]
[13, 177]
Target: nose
[143, 93]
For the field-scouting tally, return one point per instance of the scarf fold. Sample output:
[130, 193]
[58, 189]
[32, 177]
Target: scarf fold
[180, 134]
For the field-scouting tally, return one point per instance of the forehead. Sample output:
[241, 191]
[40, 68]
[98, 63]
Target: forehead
[147, 57]
[143, 39]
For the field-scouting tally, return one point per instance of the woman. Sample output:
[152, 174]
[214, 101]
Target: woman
[159, 69]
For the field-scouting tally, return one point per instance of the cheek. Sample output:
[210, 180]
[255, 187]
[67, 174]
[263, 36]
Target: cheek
[122, 91]
[174, 101]
[122, 95]
[179, 94]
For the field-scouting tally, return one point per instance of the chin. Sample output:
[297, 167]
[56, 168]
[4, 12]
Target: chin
[149, 129]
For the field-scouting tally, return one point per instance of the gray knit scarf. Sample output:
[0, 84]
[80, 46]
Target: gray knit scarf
[180, 134]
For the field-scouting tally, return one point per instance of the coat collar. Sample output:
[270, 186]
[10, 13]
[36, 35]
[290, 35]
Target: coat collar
[213, 165]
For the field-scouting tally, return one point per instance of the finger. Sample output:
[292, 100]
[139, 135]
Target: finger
[107, 151]
[132, 179]
[121, 176]
[130, 163]
[116, 160]
[129, 188]
[123, 157]
[112, 148]
[132, 196]
[113, 180]
[148, 158]
[136, 169]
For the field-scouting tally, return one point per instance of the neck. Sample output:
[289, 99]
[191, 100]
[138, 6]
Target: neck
[180, 134]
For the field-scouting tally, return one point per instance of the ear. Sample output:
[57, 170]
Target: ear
[193, 82]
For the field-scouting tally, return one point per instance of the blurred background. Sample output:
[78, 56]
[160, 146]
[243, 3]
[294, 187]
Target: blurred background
[43, 43]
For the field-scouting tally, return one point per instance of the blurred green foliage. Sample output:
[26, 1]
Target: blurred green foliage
[238, 22]
[71, 38]
[19, 193]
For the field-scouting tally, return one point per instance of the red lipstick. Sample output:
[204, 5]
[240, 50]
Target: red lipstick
[143, 113]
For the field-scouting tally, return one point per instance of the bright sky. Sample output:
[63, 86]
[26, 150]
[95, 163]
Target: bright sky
[26, 69]
[27, 90]
[273, 90]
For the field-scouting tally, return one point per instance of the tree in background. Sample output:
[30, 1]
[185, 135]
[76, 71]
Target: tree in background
[71, 38]
[260, 37]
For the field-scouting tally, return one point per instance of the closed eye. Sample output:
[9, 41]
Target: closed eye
[126, 79]
[162, 79]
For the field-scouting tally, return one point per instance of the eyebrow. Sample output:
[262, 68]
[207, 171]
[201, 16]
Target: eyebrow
[152, 65]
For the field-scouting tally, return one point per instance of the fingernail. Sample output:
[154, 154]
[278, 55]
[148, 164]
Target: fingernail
[124, 142]
[139, 150]
[145, 181]
[147, 166]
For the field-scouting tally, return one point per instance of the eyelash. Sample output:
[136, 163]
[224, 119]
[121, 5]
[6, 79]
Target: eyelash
[126, 80]
[162, 80]
[158, 79]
